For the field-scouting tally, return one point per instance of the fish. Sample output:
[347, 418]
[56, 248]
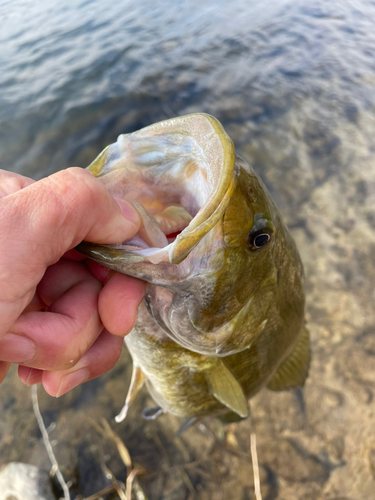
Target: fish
[223, 314]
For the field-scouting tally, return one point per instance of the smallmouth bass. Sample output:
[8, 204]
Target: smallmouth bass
[223, 314]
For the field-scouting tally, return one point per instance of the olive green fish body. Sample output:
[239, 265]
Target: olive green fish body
[179, 379]
[225, 300]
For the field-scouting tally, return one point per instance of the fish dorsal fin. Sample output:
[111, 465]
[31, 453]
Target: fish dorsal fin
[294, 369]
[137, 381]
[226, 388]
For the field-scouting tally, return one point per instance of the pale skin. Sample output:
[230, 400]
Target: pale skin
[62, 318]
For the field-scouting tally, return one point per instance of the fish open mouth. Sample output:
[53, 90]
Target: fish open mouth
[179, 176]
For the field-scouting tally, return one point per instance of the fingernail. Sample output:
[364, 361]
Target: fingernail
[72, 380]
[16, 348]
[26, 372]
[128, 211]
[32, 376]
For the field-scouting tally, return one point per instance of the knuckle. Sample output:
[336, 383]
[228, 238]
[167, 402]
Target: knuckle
[70, 196]
[60, 357]
[68, 361]
[73, 181]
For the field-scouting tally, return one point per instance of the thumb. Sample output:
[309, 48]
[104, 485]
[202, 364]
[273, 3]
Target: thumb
[39, 223]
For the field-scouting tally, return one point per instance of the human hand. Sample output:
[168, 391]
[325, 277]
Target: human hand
[56, 312]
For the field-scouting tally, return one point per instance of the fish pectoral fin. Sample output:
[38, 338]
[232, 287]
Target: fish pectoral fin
[230, 417]
[152, 413]
[186, 424]
[136, 383]
[226, 388]
[294, 369]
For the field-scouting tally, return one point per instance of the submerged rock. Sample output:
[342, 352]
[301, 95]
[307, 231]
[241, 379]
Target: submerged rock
[20, 481]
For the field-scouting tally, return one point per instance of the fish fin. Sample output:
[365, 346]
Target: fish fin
[230, 417]
[226, 388]
[294, 369]
[152, 413]
[186, 424]
[136, 382]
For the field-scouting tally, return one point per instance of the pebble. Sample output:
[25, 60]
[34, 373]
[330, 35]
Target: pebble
[20, 481]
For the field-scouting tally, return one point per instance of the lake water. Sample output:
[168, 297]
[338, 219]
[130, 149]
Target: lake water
[293, 83]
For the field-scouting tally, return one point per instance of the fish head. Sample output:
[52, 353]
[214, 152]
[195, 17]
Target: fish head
[239, 252]
[211, 239]
[181, 172]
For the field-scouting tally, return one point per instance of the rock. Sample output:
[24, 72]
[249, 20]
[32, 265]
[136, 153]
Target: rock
[20, 481]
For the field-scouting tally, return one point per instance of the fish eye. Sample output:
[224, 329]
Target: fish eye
[259, 240]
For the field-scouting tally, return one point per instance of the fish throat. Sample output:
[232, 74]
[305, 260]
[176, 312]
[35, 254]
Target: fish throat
[179, 175]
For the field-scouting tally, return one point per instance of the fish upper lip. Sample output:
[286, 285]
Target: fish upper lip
[178, 143]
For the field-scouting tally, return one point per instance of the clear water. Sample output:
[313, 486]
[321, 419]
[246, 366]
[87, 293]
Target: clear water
[293, 82]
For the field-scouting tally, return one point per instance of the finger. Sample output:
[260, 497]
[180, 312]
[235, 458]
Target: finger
[4, 367]
[40, 223]
[100, 272]
[59, 278]
[74, 255]
[119, 301]
[36, 304]
[30, 376]
[100, 358]
[11, 183]
[58, 338]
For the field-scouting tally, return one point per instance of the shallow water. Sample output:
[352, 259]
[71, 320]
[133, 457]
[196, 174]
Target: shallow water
[294, 85]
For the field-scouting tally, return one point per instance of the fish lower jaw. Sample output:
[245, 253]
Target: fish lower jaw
[207, 348]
